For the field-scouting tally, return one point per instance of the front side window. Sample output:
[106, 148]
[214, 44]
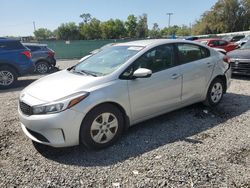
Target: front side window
[222, 43]
[107, 60]
[189, 52]
[156, 59]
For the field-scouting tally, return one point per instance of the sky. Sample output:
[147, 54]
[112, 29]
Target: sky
[17, 16]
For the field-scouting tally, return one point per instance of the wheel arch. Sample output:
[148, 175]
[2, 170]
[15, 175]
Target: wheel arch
[11, 66]
[118, 106]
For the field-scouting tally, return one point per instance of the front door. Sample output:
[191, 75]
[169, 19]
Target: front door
[154, 95]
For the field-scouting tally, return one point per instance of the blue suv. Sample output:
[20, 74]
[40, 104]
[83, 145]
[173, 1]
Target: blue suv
[15, 61]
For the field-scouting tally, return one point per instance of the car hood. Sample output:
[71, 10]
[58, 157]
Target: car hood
[61, 84]
[240, 54]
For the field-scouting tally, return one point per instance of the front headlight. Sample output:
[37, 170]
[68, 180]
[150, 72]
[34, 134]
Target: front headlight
[61, 104]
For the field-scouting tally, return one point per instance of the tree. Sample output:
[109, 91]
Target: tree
[224, 16]
[86, 17]
[68, 31]
[43, 34]
[142, 26]
[155, 32]
[91, 30]
[113, 29]
[131, 25]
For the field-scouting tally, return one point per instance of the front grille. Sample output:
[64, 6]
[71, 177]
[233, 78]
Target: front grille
[26, 109]
[241, 67]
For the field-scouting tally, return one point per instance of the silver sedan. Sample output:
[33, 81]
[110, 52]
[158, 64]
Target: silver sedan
[93, 102]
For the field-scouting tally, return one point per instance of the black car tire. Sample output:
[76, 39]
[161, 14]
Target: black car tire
[42, 67]
[6, 71]
[92, 130]
[215, 92]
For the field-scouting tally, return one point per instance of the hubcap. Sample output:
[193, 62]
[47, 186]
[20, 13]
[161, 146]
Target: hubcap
[104, 128]
[6, 78]
[216, 92]
[42, 68]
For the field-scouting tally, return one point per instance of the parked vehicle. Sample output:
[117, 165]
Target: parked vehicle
[240, 59]
[42, 56]
[218, 43]
[221, 50]
[234, 38]
[243, 41]
[15, 61]
[121, 85]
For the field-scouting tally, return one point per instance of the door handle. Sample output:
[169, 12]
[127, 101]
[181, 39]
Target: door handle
[175, 76]
[209, 64]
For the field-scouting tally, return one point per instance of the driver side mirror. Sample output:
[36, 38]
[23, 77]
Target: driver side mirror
[211, 45]
[142, 73]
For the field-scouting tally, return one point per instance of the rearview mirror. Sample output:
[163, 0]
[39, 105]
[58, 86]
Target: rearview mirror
[142, 73]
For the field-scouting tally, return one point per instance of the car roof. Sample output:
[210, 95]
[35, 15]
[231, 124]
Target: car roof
[34, 44]
[152, 42]
[8, 40]
[209, 39]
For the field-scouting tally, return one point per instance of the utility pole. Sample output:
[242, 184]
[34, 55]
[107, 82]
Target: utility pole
[34, 25]
[169, 18]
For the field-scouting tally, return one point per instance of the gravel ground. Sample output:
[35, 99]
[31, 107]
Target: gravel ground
[191, 147]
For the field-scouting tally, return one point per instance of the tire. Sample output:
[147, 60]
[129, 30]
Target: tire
[8, 77]
[42, 67]
[101, 127]
[215, 92]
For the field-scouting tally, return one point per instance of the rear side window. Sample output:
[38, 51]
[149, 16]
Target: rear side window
[189, 52]
[33, 48]
[11, 45]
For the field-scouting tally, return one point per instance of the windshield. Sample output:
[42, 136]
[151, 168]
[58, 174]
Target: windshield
[107, 60]
[204, 42]
[246, 46]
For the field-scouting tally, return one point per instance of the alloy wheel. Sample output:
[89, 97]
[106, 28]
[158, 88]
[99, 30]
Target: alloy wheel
[6, 78]
[104, 128]
[216, 92]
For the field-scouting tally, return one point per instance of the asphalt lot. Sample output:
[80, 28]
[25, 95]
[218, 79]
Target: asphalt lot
[192, 147]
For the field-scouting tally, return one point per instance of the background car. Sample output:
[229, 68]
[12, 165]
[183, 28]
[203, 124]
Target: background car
[233, 38]
[243, 41]
[218, 43]
[42, 56]
[124, 84]
[15, 61]
[240, 60]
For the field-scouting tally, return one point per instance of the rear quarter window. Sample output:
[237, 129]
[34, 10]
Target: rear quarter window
[33, 48]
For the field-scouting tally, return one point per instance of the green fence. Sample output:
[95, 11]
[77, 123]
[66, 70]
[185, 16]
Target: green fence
[76, 49]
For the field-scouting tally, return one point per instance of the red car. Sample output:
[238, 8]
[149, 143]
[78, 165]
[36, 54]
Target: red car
[218, 43]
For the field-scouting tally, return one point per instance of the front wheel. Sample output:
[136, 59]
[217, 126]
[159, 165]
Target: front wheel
[8, 77]
[101, 127]
[215, 92]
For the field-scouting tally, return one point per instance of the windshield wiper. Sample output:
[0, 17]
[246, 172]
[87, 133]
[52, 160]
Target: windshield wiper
[85, 72]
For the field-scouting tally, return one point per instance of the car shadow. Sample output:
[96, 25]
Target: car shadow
[181, 125]
[240, 77]
[21, 84]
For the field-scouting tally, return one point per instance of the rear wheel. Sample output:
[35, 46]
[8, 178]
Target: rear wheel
[42, 67]
[101, 127]
[215, 92]
[8, 77]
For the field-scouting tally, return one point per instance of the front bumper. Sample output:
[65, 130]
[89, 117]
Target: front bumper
[57, 130]
[240, 66]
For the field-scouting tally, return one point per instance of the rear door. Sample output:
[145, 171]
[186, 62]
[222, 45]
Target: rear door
[154, 95]
[196, 67]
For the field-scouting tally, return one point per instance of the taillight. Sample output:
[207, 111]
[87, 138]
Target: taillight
[226, 59]
[51, 54]
[27, 53]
